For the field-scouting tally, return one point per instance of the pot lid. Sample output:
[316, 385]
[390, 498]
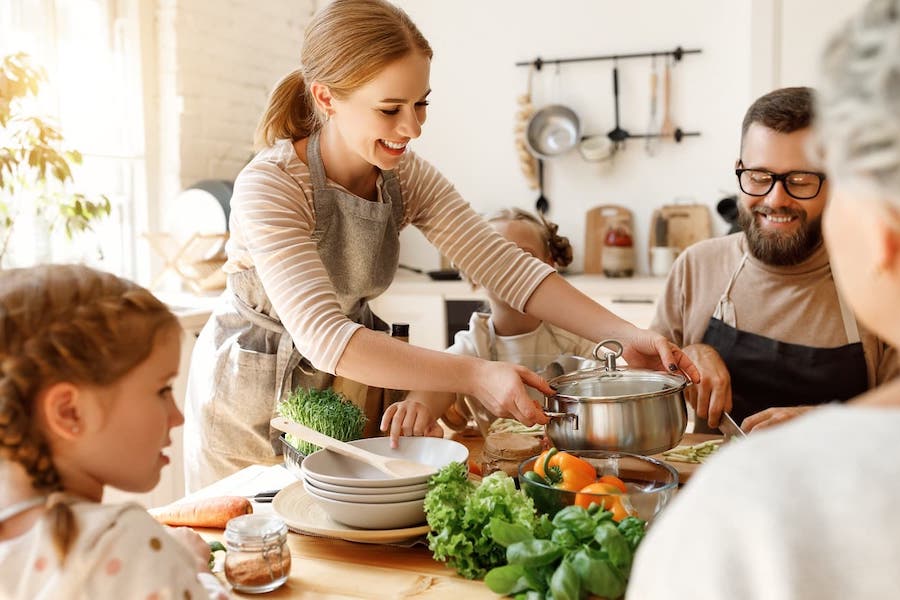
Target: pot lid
[611, 383]
[621, 384]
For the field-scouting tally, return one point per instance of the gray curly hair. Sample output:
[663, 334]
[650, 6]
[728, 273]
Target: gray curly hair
[859, 103]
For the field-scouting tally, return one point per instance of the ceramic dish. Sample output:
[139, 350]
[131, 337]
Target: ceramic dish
[302, 514]
[352, 489]
[330, 467]
[386, 498]
[367, 515]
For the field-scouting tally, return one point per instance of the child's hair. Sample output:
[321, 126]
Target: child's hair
[346, 44]
[557, 246]
[65, 323]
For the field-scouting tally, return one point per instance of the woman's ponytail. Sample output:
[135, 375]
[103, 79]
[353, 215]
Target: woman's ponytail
[288, 114]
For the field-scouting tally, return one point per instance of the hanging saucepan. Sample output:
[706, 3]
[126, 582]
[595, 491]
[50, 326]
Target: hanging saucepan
[552, 131]
[610, 408]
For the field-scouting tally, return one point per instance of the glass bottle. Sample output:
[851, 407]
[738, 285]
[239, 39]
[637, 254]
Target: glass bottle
[618, 251]
[399, 331]
[257, 557]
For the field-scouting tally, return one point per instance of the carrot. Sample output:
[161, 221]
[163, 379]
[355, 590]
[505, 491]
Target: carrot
[207, 512]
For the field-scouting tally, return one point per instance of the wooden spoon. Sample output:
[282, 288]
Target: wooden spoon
[395, 467]
[667, 129]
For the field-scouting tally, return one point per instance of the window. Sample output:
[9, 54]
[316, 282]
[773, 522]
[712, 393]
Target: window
[91, 52]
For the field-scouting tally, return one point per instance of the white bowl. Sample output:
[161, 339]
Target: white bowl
[365, 491]
[386, 498]
[330, 467]
[363, 515]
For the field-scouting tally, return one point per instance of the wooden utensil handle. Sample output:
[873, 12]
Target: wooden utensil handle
[320, 439]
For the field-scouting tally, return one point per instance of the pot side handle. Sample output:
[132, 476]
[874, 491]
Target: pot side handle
[562, 415]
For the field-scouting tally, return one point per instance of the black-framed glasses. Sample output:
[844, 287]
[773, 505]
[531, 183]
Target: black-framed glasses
[802, 185]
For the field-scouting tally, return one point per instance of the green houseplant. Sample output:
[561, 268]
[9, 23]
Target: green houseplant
[35, 165]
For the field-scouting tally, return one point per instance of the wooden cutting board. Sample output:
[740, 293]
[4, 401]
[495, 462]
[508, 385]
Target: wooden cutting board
[597, 221]
[686, 470]
[686, 224]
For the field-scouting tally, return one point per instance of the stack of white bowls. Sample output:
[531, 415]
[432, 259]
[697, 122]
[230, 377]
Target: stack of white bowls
[358, 495]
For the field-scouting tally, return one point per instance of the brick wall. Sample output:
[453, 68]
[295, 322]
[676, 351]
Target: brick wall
[217, 61]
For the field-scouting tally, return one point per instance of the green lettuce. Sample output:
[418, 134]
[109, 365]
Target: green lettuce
[459, 514]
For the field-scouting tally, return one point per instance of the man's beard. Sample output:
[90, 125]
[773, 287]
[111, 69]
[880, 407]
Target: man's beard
[780, 249]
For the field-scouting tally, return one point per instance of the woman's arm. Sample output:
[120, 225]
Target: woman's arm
[379, 360]
[555, 300]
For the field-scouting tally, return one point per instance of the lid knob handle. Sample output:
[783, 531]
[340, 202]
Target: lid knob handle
[610, 354]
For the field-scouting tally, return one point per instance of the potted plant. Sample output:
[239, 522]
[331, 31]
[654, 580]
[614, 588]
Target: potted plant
[35, 165]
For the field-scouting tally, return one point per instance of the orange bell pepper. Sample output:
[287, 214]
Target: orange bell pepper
[565, 471]
[613, 480]
[607, 495]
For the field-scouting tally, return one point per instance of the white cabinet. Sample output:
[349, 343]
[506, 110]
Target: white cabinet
[417, 300]
[424, 312]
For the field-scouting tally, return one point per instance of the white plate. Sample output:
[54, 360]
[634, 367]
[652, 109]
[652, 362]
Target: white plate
[303, 514]
[330, 467]
[386, 498]
[366, 515]
[352, 489]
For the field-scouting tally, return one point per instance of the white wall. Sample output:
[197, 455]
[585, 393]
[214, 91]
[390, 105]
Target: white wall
[748, 49]
[216, 62]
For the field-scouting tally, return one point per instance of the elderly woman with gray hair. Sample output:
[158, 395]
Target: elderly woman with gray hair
[810, 509]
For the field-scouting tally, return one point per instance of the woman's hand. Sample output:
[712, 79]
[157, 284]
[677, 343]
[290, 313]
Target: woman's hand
[410, 418]
[500, 386]
[650, 350]
[196, 546]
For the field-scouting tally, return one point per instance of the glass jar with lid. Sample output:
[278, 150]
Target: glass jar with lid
[258, 559]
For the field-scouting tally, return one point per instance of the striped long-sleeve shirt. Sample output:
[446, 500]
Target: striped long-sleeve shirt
[271, 225]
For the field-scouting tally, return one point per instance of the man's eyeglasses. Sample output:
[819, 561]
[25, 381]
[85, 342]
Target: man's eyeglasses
[802, 185]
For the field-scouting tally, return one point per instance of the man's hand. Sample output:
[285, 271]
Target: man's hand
[773, 416]
[712, 396]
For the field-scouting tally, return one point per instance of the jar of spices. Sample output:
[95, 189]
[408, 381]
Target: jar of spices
[618, 251]
[505, 451]
[257, 559]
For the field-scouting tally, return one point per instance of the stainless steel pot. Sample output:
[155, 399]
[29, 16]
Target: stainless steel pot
[551, 131]
[610, 408]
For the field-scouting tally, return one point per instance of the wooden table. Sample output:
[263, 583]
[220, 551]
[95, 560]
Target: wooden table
[332, 569]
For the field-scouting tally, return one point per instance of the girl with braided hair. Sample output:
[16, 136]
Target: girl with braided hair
[503, 334]
[87, 361]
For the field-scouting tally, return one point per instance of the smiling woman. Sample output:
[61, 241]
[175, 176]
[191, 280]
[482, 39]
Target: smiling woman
[315, 221]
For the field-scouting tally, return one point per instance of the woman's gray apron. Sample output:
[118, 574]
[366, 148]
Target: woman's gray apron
[766, 372]
[244, 363]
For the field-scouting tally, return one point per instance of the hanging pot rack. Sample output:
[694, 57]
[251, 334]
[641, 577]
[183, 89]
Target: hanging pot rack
[618, 135]
[677, 54]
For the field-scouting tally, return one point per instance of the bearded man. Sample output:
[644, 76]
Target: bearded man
[758, 311]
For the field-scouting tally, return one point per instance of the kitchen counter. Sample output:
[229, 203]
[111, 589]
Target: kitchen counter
[592, 285]
[336, 569]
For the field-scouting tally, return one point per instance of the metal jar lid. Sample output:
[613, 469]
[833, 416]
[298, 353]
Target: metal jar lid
[615, 384]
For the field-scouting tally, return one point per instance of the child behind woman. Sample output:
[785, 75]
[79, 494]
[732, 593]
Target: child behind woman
[503, 334]
[86, 367]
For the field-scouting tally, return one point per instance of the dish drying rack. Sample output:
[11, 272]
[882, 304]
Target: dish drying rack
[198, 261]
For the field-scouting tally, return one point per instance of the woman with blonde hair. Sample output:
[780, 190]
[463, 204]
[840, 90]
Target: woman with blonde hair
[809, 509]
[315, 219]
[87, 361]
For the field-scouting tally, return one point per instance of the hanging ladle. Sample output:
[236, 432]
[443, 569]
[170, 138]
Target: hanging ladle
[617, 134]
[542, 205]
